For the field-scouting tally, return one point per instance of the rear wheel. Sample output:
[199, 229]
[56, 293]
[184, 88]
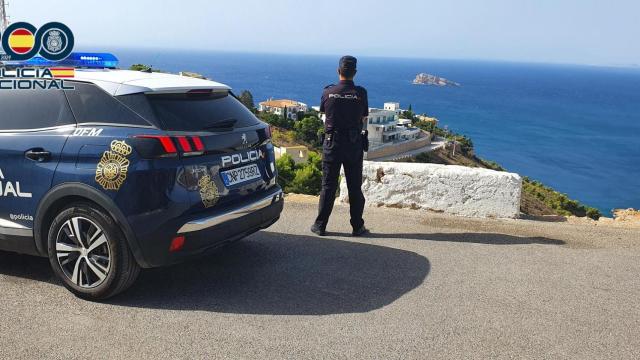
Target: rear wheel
[89, 253]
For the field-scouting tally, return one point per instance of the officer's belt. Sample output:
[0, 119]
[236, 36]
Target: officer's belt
[343, 131]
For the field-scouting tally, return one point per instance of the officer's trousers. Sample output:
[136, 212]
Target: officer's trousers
[349, 155]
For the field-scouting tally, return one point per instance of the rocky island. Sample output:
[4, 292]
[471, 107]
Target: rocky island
[428, 79]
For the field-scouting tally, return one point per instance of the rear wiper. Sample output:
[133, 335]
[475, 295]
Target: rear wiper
[228, 123]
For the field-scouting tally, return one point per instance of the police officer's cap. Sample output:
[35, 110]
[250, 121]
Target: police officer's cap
[348, 63]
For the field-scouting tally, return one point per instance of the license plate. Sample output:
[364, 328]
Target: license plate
[240, 175]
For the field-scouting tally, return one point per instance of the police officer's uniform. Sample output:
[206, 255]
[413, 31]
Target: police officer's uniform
[344, 106]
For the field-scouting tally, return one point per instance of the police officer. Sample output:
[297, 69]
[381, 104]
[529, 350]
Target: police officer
[345, 106]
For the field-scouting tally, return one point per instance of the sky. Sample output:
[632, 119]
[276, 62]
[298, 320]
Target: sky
[555, 31]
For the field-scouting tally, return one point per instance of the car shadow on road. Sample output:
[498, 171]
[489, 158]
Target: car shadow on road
[282, 274]
[24, 268]
[476, 238]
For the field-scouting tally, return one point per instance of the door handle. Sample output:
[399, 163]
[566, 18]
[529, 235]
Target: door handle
[38, 154]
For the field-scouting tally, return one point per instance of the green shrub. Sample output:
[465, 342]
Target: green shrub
[424, 157]
[559, 202]
[300, 178]
[492, 165]
[308, 180]
[142, 67]
[286, 170]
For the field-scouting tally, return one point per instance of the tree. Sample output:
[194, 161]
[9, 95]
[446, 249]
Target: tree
[307, 129]
[276, 120]
[143, 67]
[246, 98]
[408, 114]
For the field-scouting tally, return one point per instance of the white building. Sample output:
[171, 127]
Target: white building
[381, 125]
[407, 130]
[279, 107]
[385, 127]
[404, 122]
[300, 154]
[393, 106]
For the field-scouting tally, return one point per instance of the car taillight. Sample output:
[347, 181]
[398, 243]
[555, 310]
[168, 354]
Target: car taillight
[198, 143]
[154, 146]
[268, 131]
[165, 141]
[184, 144]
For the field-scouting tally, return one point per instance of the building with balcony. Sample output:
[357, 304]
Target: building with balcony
[283, 107]
[382, 125]
[390, 136]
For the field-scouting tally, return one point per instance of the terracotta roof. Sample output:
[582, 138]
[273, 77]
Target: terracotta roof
[280, 103]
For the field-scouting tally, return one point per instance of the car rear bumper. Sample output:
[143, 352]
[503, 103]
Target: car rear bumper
[232, 214]
[205, 233]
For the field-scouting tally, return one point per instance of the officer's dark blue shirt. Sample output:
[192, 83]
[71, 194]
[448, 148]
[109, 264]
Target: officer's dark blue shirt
[344, 106]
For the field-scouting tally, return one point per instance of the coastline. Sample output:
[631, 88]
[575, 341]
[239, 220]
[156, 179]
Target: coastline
[526, 118]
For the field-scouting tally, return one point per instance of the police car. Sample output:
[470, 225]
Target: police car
[130, 170]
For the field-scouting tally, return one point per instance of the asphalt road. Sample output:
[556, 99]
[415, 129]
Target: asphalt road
[423, 286]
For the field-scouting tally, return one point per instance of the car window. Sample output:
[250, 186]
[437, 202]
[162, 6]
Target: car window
[90, 104]
[33, 109]
[191, 112]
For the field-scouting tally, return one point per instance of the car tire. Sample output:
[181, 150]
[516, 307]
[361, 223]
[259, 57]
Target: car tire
[89, 252]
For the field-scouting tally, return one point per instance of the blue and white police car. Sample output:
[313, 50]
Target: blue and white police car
[130, 170]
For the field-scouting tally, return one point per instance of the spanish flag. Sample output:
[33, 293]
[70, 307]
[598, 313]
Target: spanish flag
[63, 73]
[21, 41]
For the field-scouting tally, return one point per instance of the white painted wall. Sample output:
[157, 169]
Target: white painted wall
[450, 189]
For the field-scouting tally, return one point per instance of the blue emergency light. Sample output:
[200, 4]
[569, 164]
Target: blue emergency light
[76, 60]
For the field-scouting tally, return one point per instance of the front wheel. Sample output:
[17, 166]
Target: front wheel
[89, 253]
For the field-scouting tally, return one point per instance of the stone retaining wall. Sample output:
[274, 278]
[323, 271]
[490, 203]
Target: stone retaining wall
[449, 189]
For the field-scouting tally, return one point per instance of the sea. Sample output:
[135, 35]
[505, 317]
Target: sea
[575, 128]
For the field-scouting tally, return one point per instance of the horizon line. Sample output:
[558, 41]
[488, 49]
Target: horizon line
[632, 66]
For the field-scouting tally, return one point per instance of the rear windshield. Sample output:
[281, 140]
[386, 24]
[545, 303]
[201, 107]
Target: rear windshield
[191, 112]
[90, 104]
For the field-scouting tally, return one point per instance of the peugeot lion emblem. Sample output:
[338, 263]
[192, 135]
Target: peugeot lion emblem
[244, 139]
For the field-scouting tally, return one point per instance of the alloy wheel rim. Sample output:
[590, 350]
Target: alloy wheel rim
[83, 252]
